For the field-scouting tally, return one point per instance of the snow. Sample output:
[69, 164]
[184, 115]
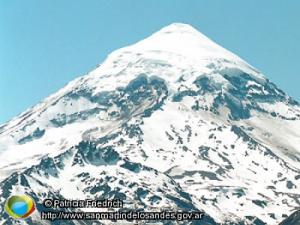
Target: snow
[198, 148]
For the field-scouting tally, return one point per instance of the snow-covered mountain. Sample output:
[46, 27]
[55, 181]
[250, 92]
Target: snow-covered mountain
[174, 121]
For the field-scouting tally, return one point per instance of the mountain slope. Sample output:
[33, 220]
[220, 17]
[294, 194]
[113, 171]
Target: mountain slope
[196, 117]
[293, 219]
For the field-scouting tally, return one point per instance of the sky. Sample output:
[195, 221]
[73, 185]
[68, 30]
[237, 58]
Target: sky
[46, 44]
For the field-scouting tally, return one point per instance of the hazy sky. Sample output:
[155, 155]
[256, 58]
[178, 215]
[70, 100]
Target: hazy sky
[45, 44]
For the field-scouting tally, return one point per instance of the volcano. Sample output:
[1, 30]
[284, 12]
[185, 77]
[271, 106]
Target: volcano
[174, 122]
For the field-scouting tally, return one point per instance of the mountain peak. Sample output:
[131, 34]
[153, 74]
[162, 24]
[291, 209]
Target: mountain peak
[179, 28]
[184, 40]
[177, 44]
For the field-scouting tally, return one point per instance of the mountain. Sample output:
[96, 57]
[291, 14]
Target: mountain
[174, 122]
